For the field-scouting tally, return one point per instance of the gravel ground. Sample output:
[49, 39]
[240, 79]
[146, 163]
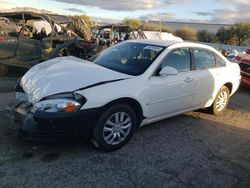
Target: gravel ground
[191, 150]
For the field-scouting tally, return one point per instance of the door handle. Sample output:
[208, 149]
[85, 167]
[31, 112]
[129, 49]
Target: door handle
[188, 79]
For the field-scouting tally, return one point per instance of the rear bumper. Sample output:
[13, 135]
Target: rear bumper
[45, 126]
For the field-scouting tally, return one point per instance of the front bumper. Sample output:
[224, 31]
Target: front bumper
[47, 126]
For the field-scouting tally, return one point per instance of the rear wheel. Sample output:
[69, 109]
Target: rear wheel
[221, 101]
[114, 128]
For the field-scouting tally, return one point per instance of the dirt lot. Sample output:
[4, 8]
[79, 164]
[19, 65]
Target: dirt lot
[192, 150]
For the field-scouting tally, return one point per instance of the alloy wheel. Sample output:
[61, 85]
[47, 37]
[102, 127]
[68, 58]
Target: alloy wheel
[221, 101]
[117, 128]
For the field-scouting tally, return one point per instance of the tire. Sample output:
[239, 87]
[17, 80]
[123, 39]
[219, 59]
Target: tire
[114, 128]
[220, 102]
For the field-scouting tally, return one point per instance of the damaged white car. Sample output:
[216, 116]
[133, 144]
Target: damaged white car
[128, 85]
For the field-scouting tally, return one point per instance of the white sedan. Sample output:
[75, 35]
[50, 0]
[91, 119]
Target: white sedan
[131, 84]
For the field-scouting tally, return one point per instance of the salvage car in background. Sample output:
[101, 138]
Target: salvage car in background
[130, 84]
[101, 37]
[244, 62]
[30, 38]
[27, 38]
[114, 33]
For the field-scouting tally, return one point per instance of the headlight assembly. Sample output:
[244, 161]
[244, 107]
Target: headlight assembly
[57, 105]
[74, 96]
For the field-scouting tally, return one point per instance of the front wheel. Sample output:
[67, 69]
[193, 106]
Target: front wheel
[221, 101]
[114, 128]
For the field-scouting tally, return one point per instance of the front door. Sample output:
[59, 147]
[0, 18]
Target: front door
[28, 49]
[172, 94]
[8, 39]
[8, 45]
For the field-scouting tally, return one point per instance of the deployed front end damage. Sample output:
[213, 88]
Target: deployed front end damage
[54, 118]
[50, 107]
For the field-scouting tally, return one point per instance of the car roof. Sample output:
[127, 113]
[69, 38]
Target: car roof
[155, 42]
[59, 19]
[167, 43]
[115, 25]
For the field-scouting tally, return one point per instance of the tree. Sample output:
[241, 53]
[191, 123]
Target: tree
[241, 31]
[206, 36]
[80, 28]
[186, 33]
[224, 35]
[132, 22]
[157, 27]
[87, 19]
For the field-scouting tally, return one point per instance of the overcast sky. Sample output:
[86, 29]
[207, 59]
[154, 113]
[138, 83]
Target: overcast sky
[207, 11]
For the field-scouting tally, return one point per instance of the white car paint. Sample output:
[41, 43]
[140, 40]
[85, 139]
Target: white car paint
[170, 95]
[68, 74]
[155, 35]
[159, 97]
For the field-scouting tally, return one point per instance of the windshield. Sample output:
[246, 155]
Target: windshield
[128, 57]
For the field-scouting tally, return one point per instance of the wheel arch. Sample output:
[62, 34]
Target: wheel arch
[133, 103]
[229, 85]
[212, 108]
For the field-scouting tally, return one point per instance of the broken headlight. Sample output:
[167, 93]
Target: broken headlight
[67, 102]
[57, 105]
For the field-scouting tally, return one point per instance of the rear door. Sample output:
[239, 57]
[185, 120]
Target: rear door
[208, 75]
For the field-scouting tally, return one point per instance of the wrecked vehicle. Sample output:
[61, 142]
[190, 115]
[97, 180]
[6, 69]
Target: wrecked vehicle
[99, 38]
[130, 84]
[244, 62]
[27, 39]
[111, 34]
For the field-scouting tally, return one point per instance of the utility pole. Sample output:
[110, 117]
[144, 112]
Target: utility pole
[160, 30]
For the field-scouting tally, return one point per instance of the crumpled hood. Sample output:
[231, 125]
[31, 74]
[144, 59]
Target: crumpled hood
[64, 74]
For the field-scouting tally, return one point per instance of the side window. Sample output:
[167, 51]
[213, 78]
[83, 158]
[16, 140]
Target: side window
[219, 61]
[178, 59]
[203, 59]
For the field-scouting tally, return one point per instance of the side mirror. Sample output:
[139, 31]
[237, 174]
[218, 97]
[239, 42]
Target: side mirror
[168, 71]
